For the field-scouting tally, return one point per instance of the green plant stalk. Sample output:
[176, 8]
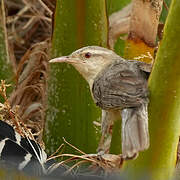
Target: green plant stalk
[96, 23]
[71, 110]
[164, 12]
[115, 147]
[116, 5]
[6, 72]
[164, 123]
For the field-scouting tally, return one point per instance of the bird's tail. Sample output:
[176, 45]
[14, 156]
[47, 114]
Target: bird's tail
[135, 134]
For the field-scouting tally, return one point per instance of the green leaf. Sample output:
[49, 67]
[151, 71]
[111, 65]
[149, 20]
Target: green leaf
[6, 72]
[116, 5]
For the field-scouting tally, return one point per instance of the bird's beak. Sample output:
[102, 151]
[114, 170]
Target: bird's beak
[66, 59]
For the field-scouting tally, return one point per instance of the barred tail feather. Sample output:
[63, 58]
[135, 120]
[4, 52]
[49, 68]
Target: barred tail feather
[135, 135]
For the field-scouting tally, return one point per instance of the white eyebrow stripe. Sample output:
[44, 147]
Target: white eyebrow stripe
[96, 50]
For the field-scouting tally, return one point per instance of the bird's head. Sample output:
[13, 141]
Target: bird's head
[89, 61]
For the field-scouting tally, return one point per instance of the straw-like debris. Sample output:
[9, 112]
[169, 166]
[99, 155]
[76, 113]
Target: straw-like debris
[29, 30]
[29, 94]
[10, 116]
[95, 163]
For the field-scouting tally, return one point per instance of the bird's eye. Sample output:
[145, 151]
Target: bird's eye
[88, 55]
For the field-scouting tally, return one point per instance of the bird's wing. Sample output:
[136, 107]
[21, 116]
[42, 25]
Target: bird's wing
[120, 85]
[24, 154]
[18, 150]
[13, 154]
[29, 145]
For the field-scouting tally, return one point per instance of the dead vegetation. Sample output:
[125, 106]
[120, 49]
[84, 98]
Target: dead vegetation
[28, 26]
[105, 163]
[10, 116]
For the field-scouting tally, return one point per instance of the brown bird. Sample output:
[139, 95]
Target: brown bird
[118, 86]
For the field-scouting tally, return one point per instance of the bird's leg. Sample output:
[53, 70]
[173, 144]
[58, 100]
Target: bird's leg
[107, 122]
[105, 141]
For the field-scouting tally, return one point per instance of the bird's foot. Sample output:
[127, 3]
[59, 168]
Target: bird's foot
[130, 157]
